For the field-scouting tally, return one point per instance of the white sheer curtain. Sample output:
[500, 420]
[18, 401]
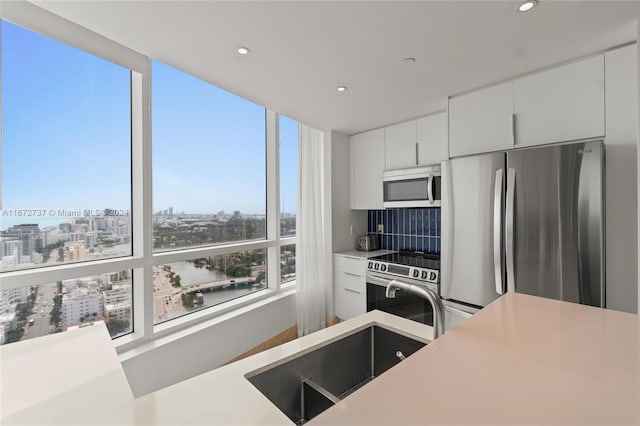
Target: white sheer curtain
[314, 287]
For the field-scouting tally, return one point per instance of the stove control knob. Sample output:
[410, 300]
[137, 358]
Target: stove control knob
[424, 275]
[433, 276]
[383, 267]
[376, 266]
[370, 265]
[416, 273]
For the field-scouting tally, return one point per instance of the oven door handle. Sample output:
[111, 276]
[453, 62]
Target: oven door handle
[373, 279]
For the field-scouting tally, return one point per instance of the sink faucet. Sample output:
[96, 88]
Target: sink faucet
[427, 293]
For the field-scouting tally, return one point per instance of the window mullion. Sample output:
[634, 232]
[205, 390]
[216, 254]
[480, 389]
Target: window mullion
[273, 199]
[142, 201]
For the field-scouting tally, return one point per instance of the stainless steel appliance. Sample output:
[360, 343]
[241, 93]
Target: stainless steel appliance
[415, 187]
[368, 242]
[419, 269]
[529, 220]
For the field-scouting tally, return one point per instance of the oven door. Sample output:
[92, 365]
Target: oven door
[405, 305]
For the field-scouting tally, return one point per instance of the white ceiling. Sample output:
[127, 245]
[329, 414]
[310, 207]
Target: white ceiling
[303, 50]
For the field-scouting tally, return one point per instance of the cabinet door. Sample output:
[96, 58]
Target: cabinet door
[481, 121]
[433, 144]
[367, 166]
[400, 145]
[349, 303]
[350, 289]
[562, 104]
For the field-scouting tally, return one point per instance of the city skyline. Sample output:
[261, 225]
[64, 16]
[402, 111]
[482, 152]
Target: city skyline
[208, 144]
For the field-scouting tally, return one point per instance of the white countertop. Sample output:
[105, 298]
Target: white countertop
[61, 379]
[521, 360]
[365, 254]
[101, 396]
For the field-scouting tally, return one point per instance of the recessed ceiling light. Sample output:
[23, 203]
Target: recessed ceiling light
[527, 5]
[409, 61]
[244, 50]
[341, 88]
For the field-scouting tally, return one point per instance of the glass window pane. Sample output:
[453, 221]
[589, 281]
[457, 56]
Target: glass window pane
[183, 287]
[39, 310]
[209, 163]
[287, 263]
[288, 130]
[66, 153]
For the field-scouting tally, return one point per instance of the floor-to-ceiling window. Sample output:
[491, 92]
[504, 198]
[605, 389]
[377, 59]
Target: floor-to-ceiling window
[131, 200]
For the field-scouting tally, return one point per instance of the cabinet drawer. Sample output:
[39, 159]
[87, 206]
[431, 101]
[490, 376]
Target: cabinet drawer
[351, 265]
[349, 303]
[351, 281]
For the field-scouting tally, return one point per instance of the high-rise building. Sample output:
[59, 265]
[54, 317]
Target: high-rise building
[117, 301]
[50, 235]
[10, 251]
[29, 236]
[81, 305]
[76, 252]
[12, 296]
[65, 227]
[90, 240]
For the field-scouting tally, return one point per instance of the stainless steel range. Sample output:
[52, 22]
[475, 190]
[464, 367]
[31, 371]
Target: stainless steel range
[407, 264]
[416, 268]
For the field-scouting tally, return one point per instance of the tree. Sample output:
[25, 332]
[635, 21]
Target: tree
[14, 335]
[56, 312]
[175, 279]
[188, 300]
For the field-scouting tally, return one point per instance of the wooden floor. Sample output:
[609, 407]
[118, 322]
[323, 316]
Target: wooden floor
[285, 336]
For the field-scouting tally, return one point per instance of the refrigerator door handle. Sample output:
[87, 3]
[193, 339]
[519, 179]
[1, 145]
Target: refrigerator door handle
[497, 232]
[430, 188]
[509, 229]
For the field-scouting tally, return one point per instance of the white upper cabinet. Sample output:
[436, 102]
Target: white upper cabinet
[562, 104]
[400, 145]
[433, 144]
[367, 166]
[417, 142]
[481, 121]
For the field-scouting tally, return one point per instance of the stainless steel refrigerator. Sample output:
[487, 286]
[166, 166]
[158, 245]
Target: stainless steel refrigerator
[528, 220]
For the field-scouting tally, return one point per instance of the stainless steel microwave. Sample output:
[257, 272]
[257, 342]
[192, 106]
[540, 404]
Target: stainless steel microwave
[415, 187]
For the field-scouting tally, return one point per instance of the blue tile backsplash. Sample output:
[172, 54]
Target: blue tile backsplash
[407, 229]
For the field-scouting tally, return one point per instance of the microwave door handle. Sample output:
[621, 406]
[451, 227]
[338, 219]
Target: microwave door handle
[430, 188]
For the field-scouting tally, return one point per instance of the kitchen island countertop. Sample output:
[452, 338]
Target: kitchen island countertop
[521, 360]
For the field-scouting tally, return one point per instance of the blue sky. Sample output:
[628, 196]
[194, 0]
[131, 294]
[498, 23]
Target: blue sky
[66, 136]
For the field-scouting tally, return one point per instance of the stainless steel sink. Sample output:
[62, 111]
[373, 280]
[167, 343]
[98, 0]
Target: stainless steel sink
[309, 384]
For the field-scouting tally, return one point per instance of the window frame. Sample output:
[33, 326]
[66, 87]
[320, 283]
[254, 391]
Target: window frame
[143, 258]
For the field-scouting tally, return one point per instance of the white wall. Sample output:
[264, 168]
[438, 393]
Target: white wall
[207, 346]
[621, 106]
[638, 137]
[342, 215]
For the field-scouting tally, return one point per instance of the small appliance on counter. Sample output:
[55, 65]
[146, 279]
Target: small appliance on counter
[368, 242]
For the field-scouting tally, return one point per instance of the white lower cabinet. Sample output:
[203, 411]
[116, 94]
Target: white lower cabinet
[350, 290]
